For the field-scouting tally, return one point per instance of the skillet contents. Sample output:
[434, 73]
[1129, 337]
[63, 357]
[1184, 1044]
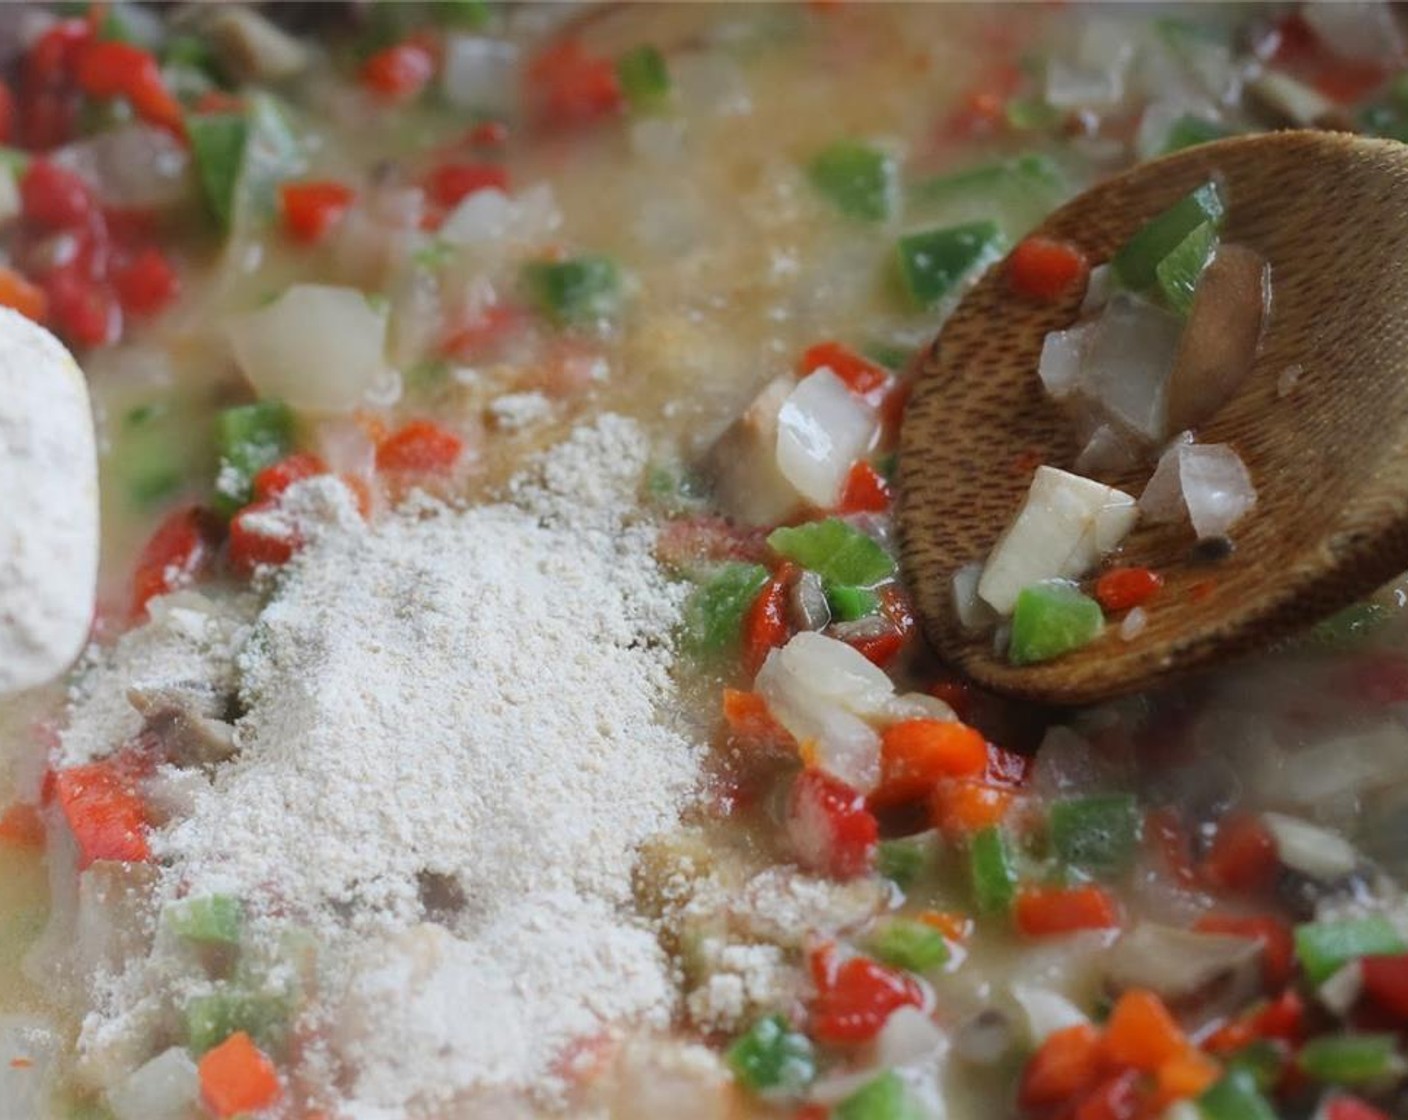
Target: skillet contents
[504, 698]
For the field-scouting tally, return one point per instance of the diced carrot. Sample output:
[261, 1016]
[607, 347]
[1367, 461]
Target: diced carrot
[1119, 589]
[860, 376]
[18, 294]
[1116, 1098]
[1243, 855]
[1046, 911]
[964, 806]
[399, 72]
[866, 490]
[1185, 1075]
[917, 754]
[420, 446]
[311, 209]
[1067, 1064]
[750, 721]
[950, 923]
[237, 1077]
[1045, 269]
[256, 543]
[1142, 1033]
[273, 480]
[104, 813]
[1277, 942]
[765, 626]
[21, 827]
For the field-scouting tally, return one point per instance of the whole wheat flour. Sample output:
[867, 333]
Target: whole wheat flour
[456, 734]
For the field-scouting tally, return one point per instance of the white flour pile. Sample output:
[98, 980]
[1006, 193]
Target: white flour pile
[477, 697]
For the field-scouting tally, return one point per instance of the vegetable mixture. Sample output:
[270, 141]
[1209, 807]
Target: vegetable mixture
[408, 244]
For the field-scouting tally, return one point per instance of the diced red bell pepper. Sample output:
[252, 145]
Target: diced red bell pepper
[488, 134]
[175, 556]
[856, 997]
[53, 57]
[879, 649]
[1066, 1065]
[1274, 934]
[829, 827]
[146, 284]
[570, 87]
[18, 294]
[399, 72]
[1047, 911]
[7, 114]
[104, 813]
[53, 197]
[860, 375]
[450, 183]
[275, 479]
[83, 310]
[1352, 1108]
[311, 209]
[1243, 855]
[1120, 589]
[421, 446]
[109, 68]
[1379, 678]
[468, 340]
[1118, 1097]
[765, 626]
[254, 543]
[866, 490]
[1386, 983]
[1044, 269]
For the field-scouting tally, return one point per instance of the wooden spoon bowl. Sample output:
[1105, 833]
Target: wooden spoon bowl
[1321, 421]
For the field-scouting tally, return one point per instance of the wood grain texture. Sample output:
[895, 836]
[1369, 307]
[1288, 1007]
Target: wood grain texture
[1329, 458]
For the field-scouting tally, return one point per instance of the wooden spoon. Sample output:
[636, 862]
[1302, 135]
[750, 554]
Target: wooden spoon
[1321, 420]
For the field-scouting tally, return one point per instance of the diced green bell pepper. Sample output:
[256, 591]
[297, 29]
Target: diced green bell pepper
[469, 15]
[1051, 618]
[14, 160]
[213, 919]
[1016, 193]
[1265, 1059]
[1323, 948]
[212, 1018]
[576, 290]
[992, 870]
[909, 945]
[1031, 114]
[885, 1098]
[933, 262]
[644, 78]
[1350, 627]
[850, 603]
[859, 180]
[146, 458]
[713, 615]
[1136, 264]
[1235, 1097]
[1352, 1059]
[248, 438]
[1179, 272]
[242, 157]
[1098, 833]
[1189, 130]
[192, 52]
[888, 354]
[838, 552]
[904, 862]
[772, 1058]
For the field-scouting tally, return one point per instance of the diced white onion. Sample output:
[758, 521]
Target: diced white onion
[974, 615]
[317, 347]
[28, 1047]
[713, 82]
[1065, 525]
[1067, 765]
[1208, 482]
[135, 166]
[1095, 78]
[480, 74]
[1178, 963]
[1134, 624]
[1106, 451]
[1097, 289]
[10, 205]
[1062, 355]
[490, 218]
[822, 691]
[823, 428]
[1047, 1012]
[658, 140]
[1315, 851]
[1341, 991]
[908, 1036]
[1359, 29]
[165, 1088]
[1128, 358]
[918, 705]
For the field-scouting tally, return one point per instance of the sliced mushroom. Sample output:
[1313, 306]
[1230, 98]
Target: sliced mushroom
[1220, 341]
[184, 718]
[743, 462]
[252, 49]
[1181, 965]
